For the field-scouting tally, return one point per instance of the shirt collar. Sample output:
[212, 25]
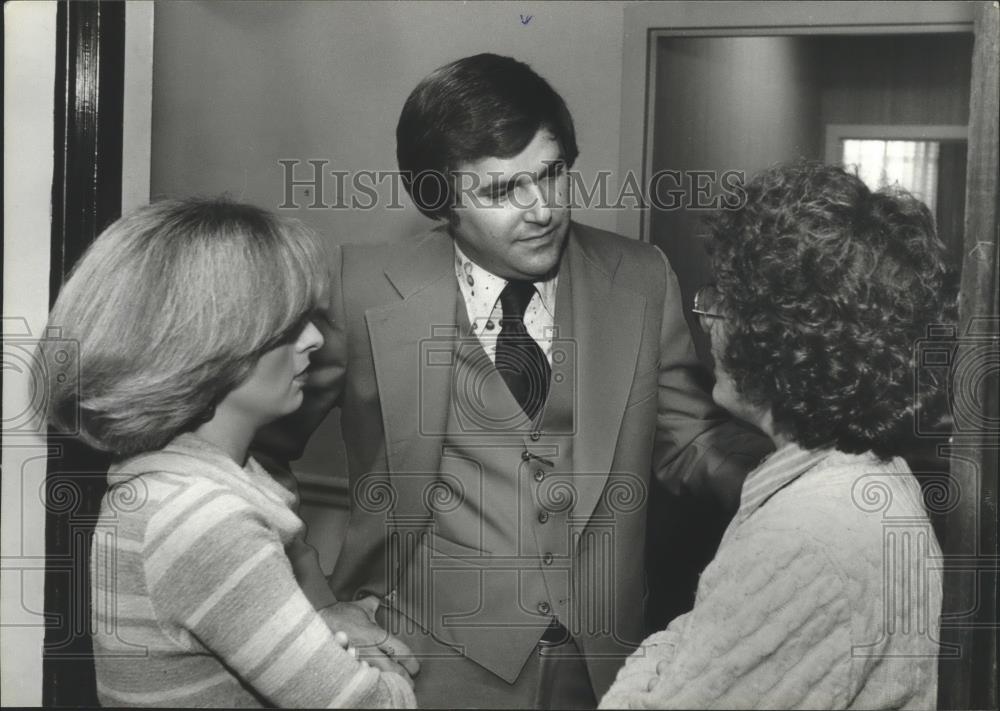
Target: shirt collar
[776, 472]
[484, 290]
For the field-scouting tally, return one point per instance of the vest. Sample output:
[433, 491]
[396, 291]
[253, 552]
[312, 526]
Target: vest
[491, 566]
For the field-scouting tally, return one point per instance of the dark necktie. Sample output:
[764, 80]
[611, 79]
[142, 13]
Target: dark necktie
[519, 359]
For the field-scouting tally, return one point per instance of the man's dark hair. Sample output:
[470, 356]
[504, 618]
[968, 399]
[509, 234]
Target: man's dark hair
[473, 108]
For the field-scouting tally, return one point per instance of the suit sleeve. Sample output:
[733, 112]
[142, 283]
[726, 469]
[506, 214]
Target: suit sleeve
[285, 439]
[699, 449]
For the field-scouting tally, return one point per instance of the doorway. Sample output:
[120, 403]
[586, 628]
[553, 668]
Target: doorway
[742, 103]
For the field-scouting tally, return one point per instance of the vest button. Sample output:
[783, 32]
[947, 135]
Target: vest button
[547, 559]
[544, 607]
[535, 436]
[525, 455]
[539, 474]
[543, 516]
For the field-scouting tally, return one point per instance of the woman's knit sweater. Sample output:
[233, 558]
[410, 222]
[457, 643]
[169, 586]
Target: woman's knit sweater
[825, 593]
[195, 601]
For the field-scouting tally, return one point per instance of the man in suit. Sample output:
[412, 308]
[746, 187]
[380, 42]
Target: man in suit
[508, 383]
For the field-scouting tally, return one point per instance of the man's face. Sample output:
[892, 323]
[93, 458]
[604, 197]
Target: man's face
[514, 212]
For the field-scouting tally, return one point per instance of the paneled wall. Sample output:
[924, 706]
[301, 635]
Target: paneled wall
[895, 79]
[726, 103]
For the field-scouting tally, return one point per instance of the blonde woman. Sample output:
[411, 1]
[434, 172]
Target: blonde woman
[193, 320]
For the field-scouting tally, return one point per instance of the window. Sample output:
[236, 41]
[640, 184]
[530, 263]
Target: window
[927, 160]
[911, 165]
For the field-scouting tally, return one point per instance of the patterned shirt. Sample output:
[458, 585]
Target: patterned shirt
[481, 292]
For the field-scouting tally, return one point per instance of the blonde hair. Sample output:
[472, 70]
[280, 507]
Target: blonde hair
[171, 307]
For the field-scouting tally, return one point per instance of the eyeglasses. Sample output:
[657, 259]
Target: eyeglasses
[706, 305]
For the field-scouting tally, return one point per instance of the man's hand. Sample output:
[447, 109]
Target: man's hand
[373, 644]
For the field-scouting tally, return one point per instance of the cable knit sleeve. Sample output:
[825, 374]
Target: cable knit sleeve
[770, 628]
[221, 583]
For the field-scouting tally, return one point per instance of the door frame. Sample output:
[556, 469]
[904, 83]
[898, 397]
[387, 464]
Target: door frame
[650, 21]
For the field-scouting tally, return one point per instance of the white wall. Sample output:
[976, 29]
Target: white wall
[138, 103]
[29, 74]
[239, 86]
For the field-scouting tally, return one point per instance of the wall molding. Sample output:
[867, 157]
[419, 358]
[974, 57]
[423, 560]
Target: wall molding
[319, 490]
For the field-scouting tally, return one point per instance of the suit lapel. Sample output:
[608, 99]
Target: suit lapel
[413, 342]
[606, 327]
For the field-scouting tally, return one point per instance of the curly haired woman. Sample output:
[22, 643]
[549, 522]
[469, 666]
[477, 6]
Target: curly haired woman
[826, 589]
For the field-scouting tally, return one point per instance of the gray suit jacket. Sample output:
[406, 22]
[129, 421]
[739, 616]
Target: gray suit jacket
[641, 405]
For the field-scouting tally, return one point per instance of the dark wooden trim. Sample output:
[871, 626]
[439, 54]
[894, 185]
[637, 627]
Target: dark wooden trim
[972, 567]
[86, 197]
[90, 83]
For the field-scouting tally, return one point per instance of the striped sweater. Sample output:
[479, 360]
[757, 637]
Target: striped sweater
[195, 600]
